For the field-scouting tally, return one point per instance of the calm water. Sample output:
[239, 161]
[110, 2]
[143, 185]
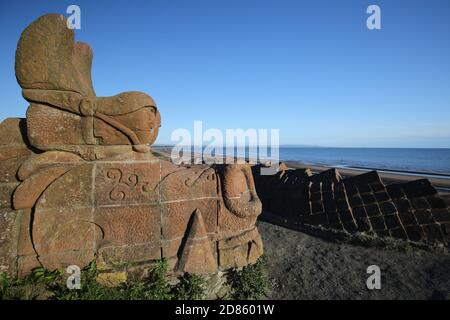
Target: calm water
[410, 160]
[416, 160]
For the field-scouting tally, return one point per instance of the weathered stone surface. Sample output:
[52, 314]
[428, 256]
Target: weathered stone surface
[24, 243]
[8, 241]
[137, 120]
[26, 263]
[170, 250]
[37, 53]
[10, 152]
[240, 250]
[127, 225]
[13, 132]
[51, 129]
[80, 172]
[229, 224]
[127, 183]
[239, 193]
[54, 73]
[73, 189]
[6, 194]
[62, 260]
[191, 183]
[56, 231]
[113, 257]
[176, 216]
[28, 192]
[9, 167]
[196, 255]
[44, 160]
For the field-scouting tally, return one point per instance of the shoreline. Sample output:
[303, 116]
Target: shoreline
[396, 171]
[441, 181]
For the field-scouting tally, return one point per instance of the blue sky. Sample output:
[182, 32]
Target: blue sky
[309, 68]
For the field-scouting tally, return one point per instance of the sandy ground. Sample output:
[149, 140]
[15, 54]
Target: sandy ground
[301, 266]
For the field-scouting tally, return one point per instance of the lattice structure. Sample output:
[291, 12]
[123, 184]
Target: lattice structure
[361, 203]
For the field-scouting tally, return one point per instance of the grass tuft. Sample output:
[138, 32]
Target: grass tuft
[43, 284]
[250, 282]
[190, 287]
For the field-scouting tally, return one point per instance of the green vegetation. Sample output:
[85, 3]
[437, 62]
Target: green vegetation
[90, 288]
[248, 283]
[43, 284]
[190, 287]
[29, 288]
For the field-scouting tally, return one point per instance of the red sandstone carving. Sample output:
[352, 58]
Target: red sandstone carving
[79, 182]
[55, 75]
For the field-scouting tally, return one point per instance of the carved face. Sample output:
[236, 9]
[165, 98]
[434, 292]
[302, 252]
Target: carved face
[144, 122]
[146, 126]
[154, 123]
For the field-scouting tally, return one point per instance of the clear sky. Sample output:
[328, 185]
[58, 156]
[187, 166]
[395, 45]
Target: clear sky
[309, 68]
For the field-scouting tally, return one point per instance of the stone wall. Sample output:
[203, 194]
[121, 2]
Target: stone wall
[362, 203]
[14, 149]
[129, 209]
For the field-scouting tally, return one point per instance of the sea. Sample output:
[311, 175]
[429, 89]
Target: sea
[408, 160]
[402, 160]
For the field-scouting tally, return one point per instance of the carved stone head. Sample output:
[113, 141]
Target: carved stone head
[54, 72]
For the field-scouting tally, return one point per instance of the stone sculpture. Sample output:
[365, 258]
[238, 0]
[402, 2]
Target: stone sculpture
[363, 203]
[79, 182]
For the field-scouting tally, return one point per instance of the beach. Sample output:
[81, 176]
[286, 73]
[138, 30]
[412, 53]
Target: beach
[389, 175]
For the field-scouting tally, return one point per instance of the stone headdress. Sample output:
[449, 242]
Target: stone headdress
[54, 72]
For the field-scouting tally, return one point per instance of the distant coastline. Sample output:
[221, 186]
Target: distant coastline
[399, 165]
[418, 161]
